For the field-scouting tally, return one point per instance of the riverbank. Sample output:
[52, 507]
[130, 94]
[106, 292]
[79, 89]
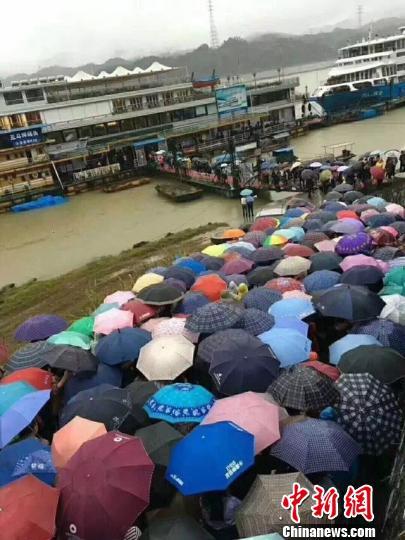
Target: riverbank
[82, 290]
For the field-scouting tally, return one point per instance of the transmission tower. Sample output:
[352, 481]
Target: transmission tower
[213, 28]
[360, 15]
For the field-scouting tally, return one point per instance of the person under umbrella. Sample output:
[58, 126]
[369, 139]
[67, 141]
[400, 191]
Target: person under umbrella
[303, 389]
[112, 472]
[315, 446]
[369, 412]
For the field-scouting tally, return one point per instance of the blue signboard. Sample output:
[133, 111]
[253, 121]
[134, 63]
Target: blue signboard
[25, 137]
[231, 100]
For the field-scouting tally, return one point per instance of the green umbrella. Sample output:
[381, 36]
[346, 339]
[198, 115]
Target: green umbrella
[325, 176]
[83, 326]
[74, 339]
[394, 281]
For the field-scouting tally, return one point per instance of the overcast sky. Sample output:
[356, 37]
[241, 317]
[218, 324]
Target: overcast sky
[70, 32]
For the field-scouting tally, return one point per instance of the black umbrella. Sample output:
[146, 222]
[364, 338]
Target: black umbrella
[68, 358]
[297, 202]
[368, 276]
[333, 196]
[386, 253]
[351, 196]
[160, 295]
[141, 391]
[399, 226]
[242, 363]
[111, 406]
[385, 364]
[325, 261]
[344, 187]
[349, 302]
[212, 263]
[264, 256]
[183, 274]
[304, 389]
[177, 528]
[308, 174]
[260, 276]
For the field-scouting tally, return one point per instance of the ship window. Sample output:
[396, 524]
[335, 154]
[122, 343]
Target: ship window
[402, 53]
[34, 94]
[400, 67]
[13, 98]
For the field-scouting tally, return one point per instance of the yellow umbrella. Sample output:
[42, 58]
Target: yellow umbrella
[215, 250]
[146, 280]
[275, 240]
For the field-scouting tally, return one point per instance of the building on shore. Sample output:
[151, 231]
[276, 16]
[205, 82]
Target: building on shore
[83, 125]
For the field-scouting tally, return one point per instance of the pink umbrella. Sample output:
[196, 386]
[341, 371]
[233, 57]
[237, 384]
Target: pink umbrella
[250, 412]
[391, 230]
[297, 294]
[119, 297]
[396, 209]
[174, 327]
[150, 325]
[326, 245]
[237, 266]
[111, 320]
[363, 260]
[368, 214]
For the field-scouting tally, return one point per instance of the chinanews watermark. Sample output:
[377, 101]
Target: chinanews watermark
[357, 502]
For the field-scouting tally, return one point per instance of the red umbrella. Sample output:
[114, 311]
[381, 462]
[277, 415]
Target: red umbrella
[262, 224]
[142, 312]
[28, 509]
[210, 286]
[238, 266]
[104, 487]
[377, 173]
[347, 214]
[326, 369]
[284, 284]
[298, 250]
[38, 378]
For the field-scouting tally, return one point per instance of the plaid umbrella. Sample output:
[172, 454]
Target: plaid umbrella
[389, 333]
[213, 318]
[325, 261]
[354, 244]
[261, 510]
[285, 284]
[237, 266]
[261, 298]
[315, 446]
[304, 389]
[292, 266]
[297, 250]
[263, 256]
[255, 321]
[321, 280]
[368, 410]
[29, 356]
[259, 276]
[191, 302]
[349, 302]
[383, 363]
[165, 358]
[40, 327]
[312, 237]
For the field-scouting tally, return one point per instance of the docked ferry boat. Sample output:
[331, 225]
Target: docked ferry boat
[367, 73]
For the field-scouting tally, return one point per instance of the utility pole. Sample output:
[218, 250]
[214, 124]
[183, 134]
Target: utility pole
[360, 15]
[213, 28]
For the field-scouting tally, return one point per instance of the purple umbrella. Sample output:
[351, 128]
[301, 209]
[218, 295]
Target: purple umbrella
[347, 226]
[237, 266]
[354, 244]
[316, 446]
[40, 327]
[255, 237]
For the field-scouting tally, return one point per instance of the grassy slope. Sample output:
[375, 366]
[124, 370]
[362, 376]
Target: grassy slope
[79, 292]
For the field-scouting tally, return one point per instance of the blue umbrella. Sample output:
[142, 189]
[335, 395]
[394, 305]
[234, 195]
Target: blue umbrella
[210, 458]
[191, 302]
[295, 212]
[261, 298]
[246, 192]
[293, 323]
[378, 202]
[102, 308]
[179, 403]
[160, 270]
[183, 274]
[315, 446]
[122, 346]
[292, 307]
[30, 456]
[347, 343]
[289, 346]
[11, 393]
[389, 333]
[321, 280]
[195, 266]
[21, 414]
[84, 381]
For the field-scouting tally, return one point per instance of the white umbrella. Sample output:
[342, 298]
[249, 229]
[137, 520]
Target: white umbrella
[316, 165]
[292, 266]
[342, 168]
[377, 153]
[295, 165]
[394, 309]
[165, 358]
[392, 154]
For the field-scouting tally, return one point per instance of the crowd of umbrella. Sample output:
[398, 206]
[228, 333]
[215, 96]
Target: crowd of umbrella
[177, 386]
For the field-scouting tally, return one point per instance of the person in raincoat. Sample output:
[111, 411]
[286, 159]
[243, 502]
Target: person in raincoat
[325, 179]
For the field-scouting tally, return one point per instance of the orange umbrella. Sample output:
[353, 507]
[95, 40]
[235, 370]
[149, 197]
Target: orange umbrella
[233, 234]
[210, 286]
[347, 214]
[67, 441]
[28, 510]
[38, 378]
